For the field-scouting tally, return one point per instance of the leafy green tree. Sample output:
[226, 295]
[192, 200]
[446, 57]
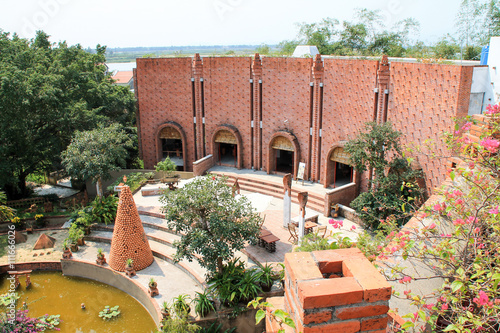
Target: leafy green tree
[393, 184]
[469, 22]
[213, 223]
[263, 49]
[6, 213]
[47, 92]
[321, 34]
[287, 47]
[92, 155]
[446, 48]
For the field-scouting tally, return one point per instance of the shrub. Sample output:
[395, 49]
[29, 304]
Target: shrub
[167, 165]
[104, 209]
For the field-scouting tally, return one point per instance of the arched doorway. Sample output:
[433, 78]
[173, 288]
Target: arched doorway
[283, 154]
[339, 172]
[227, 148]
[171, 145]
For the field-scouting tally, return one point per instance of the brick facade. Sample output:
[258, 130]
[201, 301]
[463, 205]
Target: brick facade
[319, 103]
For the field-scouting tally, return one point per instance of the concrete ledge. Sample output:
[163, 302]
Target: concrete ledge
[73, 267]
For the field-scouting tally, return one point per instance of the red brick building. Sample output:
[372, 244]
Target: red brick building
[271, 113]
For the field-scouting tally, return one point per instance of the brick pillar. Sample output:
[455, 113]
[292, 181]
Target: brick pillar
[257, 79]
[334, 291]
[137, 112]
[383, 75]
[317, 72]
[198, 103]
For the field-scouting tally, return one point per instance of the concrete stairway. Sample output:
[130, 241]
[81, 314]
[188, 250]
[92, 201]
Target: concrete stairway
[160, 241]
[315, 201]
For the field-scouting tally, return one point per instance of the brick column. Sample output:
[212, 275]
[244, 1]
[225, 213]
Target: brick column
[198, 77]
[257, 101]
[383, 75]
[334, 291]
[317, 72]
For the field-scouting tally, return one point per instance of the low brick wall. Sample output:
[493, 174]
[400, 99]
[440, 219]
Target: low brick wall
[201, 166]
[34, 266]
[73, 267]
[334, 291]
[342, 195]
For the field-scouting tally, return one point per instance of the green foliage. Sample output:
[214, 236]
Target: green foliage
[181, 305]
[203, 304]
[134, 181]
[212, 223]
[216, 328]
[178, 324]
[75, 233]
[266, 275]
[129, 262]
[263, 49]
[104, 209]
[48, 92]
[393, 192]
[168, 166]
[94, 154]
[235, 283]
[314, 242]
[6, 213]
[109, 313]
[280, 316]
[8, 299]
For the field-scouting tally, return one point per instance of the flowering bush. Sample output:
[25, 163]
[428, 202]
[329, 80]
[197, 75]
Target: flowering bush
[25, 324]
[457, 237]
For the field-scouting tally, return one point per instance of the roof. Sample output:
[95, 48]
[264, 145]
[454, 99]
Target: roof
[123, 77]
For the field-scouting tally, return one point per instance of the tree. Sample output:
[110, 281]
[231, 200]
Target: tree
[393, 184]
[263, 49]
[6, 213]
[446, 48]
[320, 34]
[212, 222]
[47, 92]
[468, 22]
[92, 155]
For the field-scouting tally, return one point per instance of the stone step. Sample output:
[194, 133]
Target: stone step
[161, 245]
[315, 201]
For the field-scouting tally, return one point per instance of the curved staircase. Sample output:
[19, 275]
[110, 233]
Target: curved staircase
[161, 241]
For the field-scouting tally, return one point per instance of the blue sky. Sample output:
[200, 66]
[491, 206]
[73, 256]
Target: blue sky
[121, 23]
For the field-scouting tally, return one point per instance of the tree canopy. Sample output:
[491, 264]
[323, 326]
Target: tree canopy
[394, 190]
[47, 92]
[94, 154]
[212, 222]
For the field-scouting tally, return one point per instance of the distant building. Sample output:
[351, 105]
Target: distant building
[305, 51]
[124, 78]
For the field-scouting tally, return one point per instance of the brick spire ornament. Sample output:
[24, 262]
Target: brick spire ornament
[129, 239]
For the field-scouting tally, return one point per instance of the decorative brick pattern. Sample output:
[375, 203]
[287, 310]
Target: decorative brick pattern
[129, 239]
[320, 102]
[356, 301]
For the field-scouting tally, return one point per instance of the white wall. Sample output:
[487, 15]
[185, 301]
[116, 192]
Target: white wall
[494, 66]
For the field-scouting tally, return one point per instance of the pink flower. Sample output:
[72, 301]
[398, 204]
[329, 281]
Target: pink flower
[471, 219]
[477, 230]
[466, 126]
[445, 235]
[336, 224]
[490, 145]
[458, 222]
[494, 210]
[492, 109]
[405, 279]
[444, 307]
[482, 300]
[431, 226]
[437, 207]
[353, 227]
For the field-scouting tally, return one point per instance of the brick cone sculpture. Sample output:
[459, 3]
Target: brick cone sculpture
[129, 239]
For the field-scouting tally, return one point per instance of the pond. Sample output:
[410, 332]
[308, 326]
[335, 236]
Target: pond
[52, 293]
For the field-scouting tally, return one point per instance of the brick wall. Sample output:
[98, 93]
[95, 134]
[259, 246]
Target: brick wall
[334, 291]
[164, 89]
[200, 167]
[35, 266]
[423, 100]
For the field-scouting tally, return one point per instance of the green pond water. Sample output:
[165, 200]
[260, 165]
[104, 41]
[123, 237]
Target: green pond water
[52, 293]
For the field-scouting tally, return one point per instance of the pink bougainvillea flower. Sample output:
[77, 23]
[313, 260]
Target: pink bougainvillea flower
[444, 307]
[490, 145]
[336, 224]
[405, 279]
[482, 300]
[471, 219]
[466, 126]
[458, 222]
[432, 226]
[353, 227]
[492, 109]
[494, 210]
[438, 207]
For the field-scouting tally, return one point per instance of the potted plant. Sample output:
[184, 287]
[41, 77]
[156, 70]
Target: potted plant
[76, 234]
[153, 288]
[181, 305]
[150, 177]
[266, 278]
[17, 222]
[280, 274]
[129, 268]
[165, 310]
[101, 260]
[203, 305]
[335, 210]
[66, 251]
[168, 168]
